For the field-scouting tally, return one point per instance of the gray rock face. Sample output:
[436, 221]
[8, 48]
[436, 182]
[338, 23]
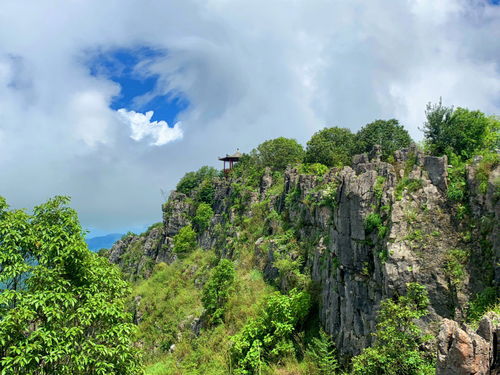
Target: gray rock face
[354, 263]
[176, 214]
[437, 169]
[462, 351]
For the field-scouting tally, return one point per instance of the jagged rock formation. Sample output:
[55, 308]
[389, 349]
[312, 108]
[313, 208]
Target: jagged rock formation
[462, 351]
[365, 231]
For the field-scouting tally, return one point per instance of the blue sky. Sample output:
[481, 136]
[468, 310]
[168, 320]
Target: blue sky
[123, 66]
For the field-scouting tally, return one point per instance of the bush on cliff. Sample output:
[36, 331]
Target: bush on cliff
[204, 214]
[459, 131]
[389, 134]
[398, 338]
[185, 240]
[191, 180]
[269, 337]
[331, 146]
[280, 152]
[217, 290]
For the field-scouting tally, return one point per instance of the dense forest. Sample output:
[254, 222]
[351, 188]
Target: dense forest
[364, 253]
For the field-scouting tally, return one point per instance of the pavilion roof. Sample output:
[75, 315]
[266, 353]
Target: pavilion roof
[234, 157]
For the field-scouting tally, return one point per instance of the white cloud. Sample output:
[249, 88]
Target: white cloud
[142, 127]
[250, 71]
[91, 117]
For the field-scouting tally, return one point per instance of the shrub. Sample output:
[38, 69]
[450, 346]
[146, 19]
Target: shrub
[315, 169]
[457, 186]
[482, 302]
[292, 198]
[204, 214]
[408, 184]
[217, 290]
[206, 192]
[322, 352]
[460, 131]
[249, 169]
[397, 338]
[279, 153]
[331, 146]
[268, 337]
[487, 164]
[389, 134]
[373, 221]
[379, 187]
[191, 180]
[455, 265]
[185, 240]
[329, 194]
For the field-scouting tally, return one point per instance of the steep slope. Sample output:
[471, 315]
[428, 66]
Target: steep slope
[355, 235]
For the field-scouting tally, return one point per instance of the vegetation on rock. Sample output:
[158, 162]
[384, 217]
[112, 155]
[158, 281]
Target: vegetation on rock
[332, 147]
[280, 152]
[185, 240]
[217, 290]
[398, 338]
[389, 134]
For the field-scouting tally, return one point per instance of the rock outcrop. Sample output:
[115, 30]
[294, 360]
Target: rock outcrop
[462, 351]
[365, 230]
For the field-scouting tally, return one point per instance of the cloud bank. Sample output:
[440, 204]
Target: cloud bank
[250, 71]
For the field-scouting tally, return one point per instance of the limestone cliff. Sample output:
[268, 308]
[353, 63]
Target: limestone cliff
[363, 232]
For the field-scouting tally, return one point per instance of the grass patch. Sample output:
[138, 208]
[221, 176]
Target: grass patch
[409, 185]
[455, 261]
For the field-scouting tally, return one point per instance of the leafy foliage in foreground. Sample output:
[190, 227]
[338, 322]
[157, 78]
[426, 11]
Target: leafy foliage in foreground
[61, 306]
[268, 338]
[398, 338]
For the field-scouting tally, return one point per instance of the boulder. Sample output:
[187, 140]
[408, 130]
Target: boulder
[462, 351]
[436, 167]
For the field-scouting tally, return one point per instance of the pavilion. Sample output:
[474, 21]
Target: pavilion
[231, 159]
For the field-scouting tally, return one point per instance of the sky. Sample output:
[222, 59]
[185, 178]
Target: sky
[111, 102]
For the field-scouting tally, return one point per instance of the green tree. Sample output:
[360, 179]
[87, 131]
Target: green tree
[459, 131]
[438, 117]
[322, 352]
[61, 306]
[492, 137]
[204, 214]
[397, 338]
[217, 290]
[387, 133]
[269, 337]
[280, 152]
[185, 240]
[192, 180]
[331, 146]
[249, 169]
[206, 192]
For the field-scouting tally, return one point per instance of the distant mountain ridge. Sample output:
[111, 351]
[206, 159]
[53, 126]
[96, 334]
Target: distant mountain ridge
[100, 242]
